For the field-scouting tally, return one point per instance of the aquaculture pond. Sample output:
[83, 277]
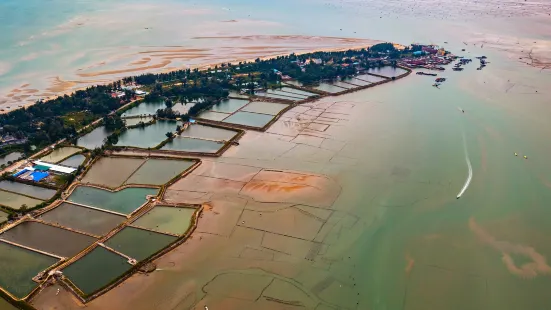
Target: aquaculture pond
[124, 201]
[330, 88]
[270, 108]
[387, 71]
[184, 144]
[112, 171]
[60, 154]
[369, 78]
[208, 132]
[297, 91]
[149, 136]
[94, 139]
[3, 217]
[213, 116]
[27, 190]
[16, 201]
[249, 119]
[74, 161]
[96, 270]
[343, 84]
[159, 171]
[274, 96]
[139, 243]
[144, 108]
[18, 266]
[166, 219]
[357, 82]
[10, 157]
[286, 94]
[83, 219]
[46, 238]
[136, 120]
[229, 105]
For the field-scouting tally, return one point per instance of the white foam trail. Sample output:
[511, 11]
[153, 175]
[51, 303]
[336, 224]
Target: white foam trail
[470, 177]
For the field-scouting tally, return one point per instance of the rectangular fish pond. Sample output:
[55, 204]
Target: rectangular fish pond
[208, 132]
[172, 220]
[60, 154]
[271, 95]
[83, 219]
[369, 78]
[16, 201]
[185, 144]
[74, 161]
[96, 270]
[297, 91]
[144, 108]
[139, 243]
[149, 136]
[114, 172]
[280, 92]
[37, 192]
[249, 119]
[18, 266]
[122, 202]
[330, 88]
[10, 158]
[229, 105]
[270, 108]
[49, 239]
[94, 139]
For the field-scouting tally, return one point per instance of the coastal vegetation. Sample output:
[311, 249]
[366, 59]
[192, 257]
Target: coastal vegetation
[52, 120]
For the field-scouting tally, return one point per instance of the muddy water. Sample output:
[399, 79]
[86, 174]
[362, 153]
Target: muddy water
[60, 154]
[74, 161]
[16, 201]
[387, 71]
[159, 172]
[10, 157]
[83, 219]
[27, 190]
[207, 132]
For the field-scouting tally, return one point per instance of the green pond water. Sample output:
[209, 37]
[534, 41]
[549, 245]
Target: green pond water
[94, 139]
[213, 116]
[136, 120]
[18, 266]
[249, 119]
[148, 137]
[83, 219]
[96, 270]
[10, 157]
[74, 161]
[28, 190]
[47, 238]
[208, 132]
[60, 154]
[144, 108]
[166, 219]
[138, 243]
[185, 144]
[270, 108]
[329, 88]
[16, 201]
[158, 171]
[387, 71]
[125, 201]
[229, 105]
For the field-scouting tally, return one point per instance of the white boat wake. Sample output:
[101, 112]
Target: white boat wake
[470, 177]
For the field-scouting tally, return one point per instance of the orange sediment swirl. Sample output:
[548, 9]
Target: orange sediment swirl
[538, 266]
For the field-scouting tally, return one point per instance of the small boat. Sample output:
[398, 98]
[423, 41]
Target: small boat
[516, 154]
[525, 157]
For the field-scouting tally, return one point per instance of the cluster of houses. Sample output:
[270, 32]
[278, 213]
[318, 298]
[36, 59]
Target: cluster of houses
[8, 139]
[429, 57]
[120, 94]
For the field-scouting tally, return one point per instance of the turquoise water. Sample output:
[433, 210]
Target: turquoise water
[124, 201]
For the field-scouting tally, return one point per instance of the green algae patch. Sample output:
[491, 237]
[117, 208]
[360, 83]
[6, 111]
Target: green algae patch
[83, 219]
[96, 270]
[124, 201]
[165, 219]
[138, 243]
[18, 266]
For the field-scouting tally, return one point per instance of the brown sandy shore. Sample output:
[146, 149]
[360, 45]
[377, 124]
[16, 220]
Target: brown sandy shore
[172, 58]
